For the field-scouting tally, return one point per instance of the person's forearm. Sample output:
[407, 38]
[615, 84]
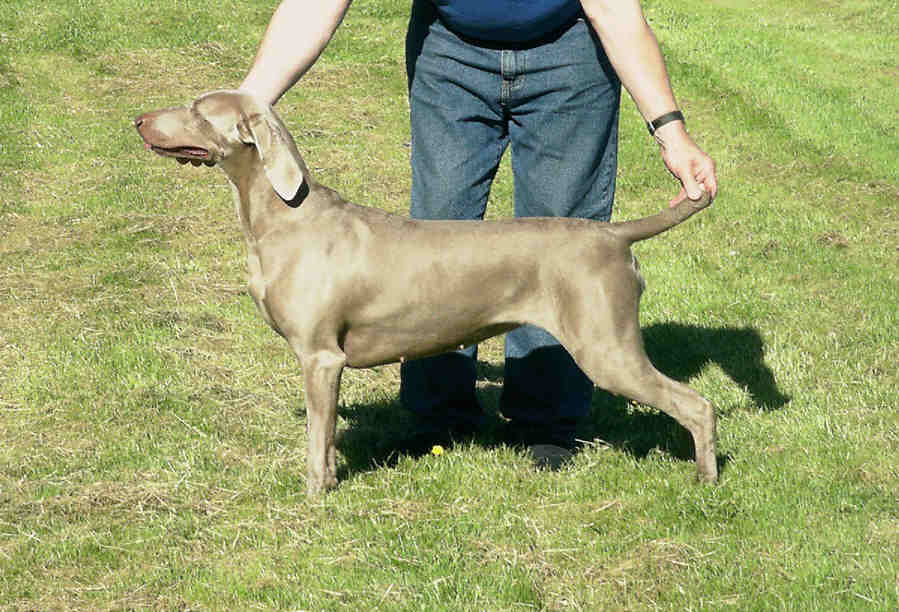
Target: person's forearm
[298, 32]
[634, 52]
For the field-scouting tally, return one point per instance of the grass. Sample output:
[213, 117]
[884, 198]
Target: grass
[151, 427]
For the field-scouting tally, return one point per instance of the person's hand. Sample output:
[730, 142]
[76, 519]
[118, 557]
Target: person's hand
[686, 162]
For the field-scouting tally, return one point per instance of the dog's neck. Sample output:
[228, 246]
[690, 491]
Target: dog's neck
[258, 206]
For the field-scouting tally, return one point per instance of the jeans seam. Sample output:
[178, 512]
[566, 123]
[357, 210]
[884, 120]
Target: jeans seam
[513, 69]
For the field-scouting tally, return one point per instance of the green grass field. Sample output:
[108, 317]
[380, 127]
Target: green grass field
[152, 442]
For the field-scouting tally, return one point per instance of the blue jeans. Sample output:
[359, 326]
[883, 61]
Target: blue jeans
[556, 102]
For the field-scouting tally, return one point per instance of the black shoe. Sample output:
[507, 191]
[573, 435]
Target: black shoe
[550, 445]
[560, 433]
[550, 457]
[420, 443]
[424, 436]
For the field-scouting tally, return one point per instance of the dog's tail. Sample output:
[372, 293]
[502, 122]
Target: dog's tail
[647, 227]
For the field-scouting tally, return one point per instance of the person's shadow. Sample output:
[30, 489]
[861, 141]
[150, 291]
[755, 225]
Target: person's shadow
[377, 430]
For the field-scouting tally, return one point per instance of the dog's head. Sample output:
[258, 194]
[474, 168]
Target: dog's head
[221, 125]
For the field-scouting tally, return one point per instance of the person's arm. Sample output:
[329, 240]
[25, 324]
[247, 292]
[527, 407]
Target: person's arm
[634, 52]
[297, 33]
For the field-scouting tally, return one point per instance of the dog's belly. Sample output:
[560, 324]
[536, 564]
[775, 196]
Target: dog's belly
[370, 345]
[436, 302]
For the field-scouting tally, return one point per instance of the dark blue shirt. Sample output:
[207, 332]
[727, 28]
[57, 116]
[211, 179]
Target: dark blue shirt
[507, 20]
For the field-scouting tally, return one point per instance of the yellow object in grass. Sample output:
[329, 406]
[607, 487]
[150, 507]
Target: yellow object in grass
[437, 450]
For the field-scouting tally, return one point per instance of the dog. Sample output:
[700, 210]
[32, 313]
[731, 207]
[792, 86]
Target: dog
[347, 285]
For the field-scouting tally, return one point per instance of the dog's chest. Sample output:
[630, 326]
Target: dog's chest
[256, 286]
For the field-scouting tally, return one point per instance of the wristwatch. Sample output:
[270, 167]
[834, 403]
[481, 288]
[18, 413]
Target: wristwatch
[658, 122]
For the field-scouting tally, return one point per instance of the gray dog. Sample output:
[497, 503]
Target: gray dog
[347, 285]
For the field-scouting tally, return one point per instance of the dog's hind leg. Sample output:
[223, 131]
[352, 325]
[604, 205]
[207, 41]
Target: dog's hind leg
[635, 377]
[610, 351]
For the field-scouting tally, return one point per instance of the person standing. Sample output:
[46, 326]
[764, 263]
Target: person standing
[543, 77]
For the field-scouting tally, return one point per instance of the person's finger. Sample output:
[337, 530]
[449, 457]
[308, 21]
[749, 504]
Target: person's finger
[691, 185]
[710, 180]
[707, 178]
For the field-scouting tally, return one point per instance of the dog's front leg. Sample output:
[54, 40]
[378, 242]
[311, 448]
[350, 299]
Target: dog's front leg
[321, 370]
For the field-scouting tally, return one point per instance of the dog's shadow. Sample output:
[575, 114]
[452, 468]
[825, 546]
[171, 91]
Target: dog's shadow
[377, 432]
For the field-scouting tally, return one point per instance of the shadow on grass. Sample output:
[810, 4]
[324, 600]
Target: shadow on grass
[377, 431]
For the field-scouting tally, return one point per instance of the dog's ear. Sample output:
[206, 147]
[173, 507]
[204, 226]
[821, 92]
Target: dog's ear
[277, 151]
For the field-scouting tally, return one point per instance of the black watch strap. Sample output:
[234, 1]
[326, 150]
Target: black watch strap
[658, 122]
